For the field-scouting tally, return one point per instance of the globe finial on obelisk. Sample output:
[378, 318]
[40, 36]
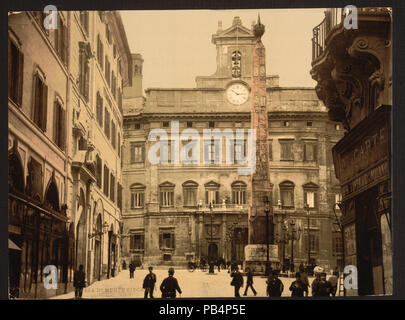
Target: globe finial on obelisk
[258, 29]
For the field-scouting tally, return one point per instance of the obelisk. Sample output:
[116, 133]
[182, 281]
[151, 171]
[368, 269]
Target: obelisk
[255, 251]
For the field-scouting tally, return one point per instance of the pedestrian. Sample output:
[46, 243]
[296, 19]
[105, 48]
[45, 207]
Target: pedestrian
[219, 265]
[124, 265]
[333, 280]
[170, 285]
[301, 267]
[149, 283]
[79, 282]
[321, 287]
[304, 277]
[237, 281]
[298, 287]
[131, 270]
[275, 286]
[249, 282]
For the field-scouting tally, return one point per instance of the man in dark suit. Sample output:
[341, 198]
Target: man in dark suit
[170, 285]
[149, 283]
[79, 282]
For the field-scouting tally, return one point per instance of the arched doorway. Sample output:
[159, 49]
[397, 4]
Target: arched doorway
[97, 248]
[52, 196]
[212, 252]
[81, 231]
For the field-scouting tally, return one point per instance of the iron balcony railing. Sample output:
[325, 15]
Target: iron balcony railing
[334, 17]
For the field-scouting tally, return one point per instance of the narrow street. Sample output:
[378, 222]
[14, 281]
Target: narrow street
[195, 284]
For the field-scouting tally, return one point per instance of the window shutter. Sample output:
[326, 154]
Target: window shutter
[206, 197]
[217, 197]
[20, 77]
[44, 100]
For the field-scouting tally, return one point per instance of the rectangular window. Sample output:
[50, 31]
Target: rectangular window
[137, 153]
[107, 71]
[190, 197]
[112, 187]
[113, 135]
[61, 39]
[166, 124]
[108, 33]
[119, 145]
[40, 102]
[240, 150]
[166, 198]
[166, 238]
[107, 123]
[106, 182]
[84, 21]
[310, 198]
[15, 73]
[271, 150]
[313, 242]
[100, 51]
[99, 109]
[59, 126]
[189, 124]
[137, 126]
[99, 170]
[337, 245]
[84, 71]
[310, 152]
[137, 199]
[211, 124]
[212, 196]
[287, 197]
[239, 197]
[137, 242]
[119, 196]
[286, 150]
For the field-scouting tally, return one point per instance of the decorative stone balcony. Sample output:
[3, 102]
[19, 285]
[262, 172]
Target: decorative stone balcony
[353, 66]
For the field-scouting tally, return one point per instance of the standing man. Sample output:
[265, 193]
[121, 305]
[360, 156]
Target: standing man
[298, 287]
[274, 285]
[170, 285]
[149, 283]
[249, 282]
[237, 281]
[79, 282]
[321, 287]
[131, 270]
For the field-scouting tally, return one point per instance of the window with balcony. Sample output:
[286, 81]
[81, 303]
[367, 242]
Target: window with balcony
[166, 238]
[15, 73]
[212, 193]
[311, 195]
[137, 195]
[286, 147]
[190, 193]
[287, 194]
[239, 192]
[40, 112]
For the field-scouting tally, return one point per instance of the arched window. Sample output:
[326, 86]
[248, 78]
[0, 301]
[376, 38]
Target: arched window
[166, 194]
[15, 173]
[52, 196]
[287, 194]
[236, 64]
[238, 192]
[137, 195]
[190, 193]
[212, 192]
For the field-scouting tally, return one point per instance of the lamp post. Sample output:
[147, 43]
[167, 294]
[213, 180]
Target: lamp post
[211, 264]
[283, 240]
[340, 225]
[309, 248]
[267, 211]
[295, 235]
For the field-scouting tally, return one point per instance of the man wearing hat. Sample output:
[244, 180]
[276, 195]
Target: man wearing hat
[274, 285]
[149, 283]
[320, 287]
[298, 287]
[170, 285]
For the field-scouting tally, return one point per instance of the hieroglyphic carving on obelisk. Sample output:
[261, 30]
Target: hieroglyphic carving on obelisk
[260, 179]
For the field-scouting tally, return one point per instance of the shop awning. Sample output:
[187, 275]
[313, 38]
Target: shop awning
[12, 245]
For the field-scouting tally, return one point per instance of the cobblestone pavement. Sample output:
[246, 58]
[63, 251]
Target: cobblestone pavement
[195, 284]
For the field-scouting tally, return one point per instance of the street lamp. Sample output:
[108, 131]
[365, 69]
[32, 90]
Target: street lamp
[295, 235]
[283, 240]
[309, 248]
[267, 211]
[340, 225]
[211, 264]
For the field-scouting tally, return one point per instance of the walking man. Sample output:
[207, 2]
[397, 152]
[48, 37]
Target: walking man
[298, 287]
[237, 281]
[249, 282]
[170, 285]
[79, 282]
[274, 285]
[149, 283]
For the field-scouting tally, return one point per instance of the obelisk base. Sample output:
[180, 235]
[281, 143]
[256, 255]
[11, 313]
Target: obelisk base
[256, 258]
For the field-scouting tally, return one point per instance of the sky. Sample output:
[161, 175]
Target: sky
[176, 44]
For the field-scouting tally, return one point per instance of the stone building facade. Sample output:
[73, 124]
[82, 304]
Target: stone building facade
[353, 69]
[64, 152]
[167, 212]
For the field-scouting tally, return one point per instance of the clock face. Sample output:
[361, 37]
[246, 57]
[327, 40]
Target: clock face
[237, 93]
